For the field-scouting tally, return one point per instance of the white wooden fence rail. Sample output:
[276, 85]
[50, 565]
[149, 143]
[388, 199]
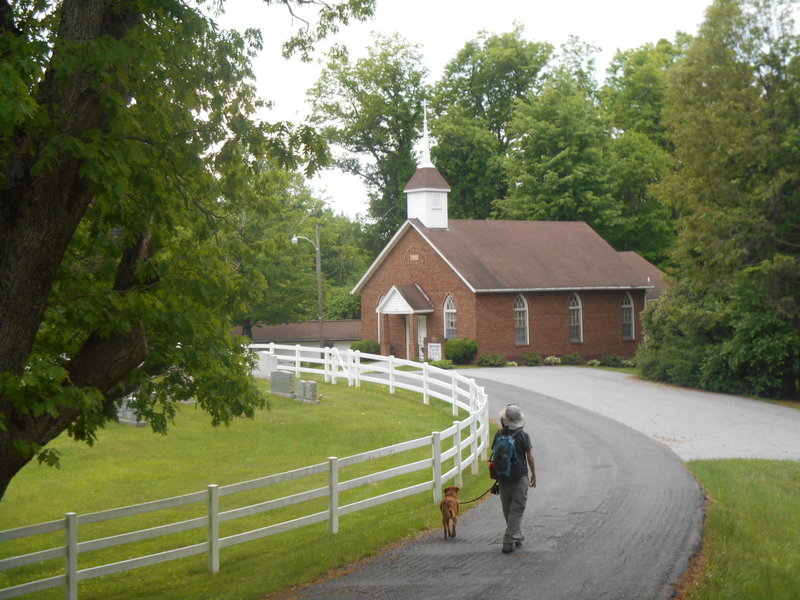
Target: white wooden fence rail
[469, 435]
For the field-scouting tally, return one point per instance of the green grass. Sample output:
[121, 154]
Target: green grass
[132, 465]
[752, 533]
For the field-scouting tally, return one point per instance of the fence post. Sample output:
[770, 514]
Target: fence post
[333, 482]
[297, 361]
[436, 450]
[72, 555]
[213, 528]
[457, 444]
[357, 367]
[425, 399]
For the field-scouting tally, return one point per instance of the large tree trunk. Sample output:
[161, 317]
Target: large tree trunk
[42, 201]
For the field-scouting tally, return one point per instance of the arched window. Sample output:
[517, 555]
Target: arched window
[575, 319]
[628, 332]
[520, 321]
[450, 328]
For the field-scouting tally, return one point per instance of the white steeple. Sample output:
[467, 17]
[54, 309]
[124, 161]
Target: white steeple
[425, 162]
[426, 192]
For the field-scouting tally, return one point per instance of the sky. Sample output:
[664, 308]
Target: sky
[441, 28]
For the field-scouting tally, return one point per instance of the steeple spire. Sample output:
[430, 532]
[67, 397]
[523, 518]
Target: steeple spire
[425, 161]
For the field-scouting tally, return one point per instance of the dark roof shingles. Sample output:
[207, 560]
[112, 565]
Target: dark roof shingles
[527, 255]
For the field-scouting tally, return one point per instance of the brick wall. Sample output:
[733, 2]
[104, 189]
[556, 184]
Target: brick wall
[489, 318]
[548, 324]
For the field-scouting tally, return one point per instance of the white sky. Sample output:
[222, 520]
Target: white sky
[441, 28]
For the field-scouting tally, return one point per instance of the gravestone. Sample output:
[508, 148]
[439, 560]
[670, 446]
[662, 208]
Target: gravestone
[282, 383]
[307, 392]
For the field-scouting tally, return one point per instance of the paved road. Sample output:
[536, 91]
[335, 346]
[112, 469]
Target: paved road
[694, 424]
[615, 516]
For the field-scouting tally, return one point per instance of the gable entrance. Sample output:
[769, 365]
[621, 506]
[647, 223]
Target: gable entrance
[403, 310]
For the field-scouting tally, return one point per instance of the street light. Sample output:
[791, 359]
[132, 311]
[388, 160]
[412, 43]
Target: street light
[319, 278]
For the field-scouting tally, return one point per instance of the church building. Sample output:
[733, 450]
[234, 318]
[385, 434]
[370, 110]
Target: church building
[515, 287]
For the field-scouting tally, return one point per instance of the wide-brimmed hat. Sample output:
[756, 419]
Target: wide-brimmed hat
[511, 416]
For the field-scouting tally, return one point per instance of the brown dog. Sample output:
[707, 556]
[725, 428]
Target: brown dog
[449, 508]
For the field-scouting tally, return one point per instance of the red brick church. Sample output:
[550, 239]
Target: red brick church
[516, 287]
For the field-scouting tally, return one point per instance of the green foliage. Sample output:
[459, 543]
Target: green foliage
[530, 360]
[373, 107]
[461, 351]
[612, 360]
[572, 359]
[729, 322]
[759, 353]
[474, 102]
[557, 167]
[341, 304]
[127, 229]
[492, 360]
[443, 364]
[367, 346]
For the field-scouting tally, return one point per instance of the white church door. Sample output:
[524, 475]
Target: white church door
[422, 333]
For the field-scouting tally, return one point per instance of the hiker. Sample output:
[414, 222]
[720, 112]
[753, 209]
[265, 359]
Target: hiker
[513, 479]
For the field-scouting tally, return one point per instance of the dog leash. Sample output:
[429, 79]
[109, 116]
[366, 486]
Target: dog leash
[479, 497]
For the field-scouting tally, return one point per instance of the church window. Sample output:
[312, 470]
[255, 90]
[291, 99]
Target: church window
[575, 319]
[450, 313]
[520, 321]
[627, 317]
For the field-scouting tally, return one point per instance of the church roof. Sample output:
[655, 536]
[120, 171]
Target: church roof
[506, 256]
[654, 275]
[427, 178]
[404, 300]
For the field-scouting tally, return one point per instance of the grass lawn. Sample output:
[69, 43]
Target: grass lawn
[130, 465]
[752, 535]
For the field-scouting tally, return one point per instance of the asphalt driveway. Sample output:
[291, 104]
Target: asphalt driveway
[615, 515]
[692, 423]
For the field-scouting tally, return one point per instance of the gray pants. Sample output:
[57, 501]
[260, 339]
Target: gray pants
[513, 497]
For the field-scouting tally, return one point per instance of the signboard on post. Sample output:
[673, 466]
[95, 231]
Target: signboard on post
[434, 352]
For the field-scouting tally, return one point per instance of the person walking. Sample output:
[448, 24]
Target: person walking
[514, 489]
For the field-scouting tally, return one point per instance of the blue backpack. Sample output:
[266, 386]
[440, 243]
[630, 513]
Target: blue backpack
[505, 461]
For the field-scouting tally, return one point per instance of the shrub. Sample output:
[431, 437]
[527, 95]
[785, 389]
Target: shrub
[442, 364]
[530, 360]
[552, 361]
[593, 363]
[460, 351]
[367, 346]
[572, 359]
[612, 360]
[492, 360]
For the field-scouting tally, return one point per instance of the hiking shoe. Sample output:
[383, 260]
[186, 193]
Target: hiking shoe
[508, 548]
[518, 542]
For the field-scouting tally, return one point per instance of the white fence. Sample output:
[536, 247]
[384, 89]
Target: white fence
[469, 445]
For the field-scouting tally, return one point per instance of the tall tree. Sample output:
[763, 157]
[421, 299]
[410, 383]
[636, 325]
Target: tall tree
[259, 246]
[558, 161]
[474, 102]
[116, 166]
[633, 97]
[733, 109]
[372, 109]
